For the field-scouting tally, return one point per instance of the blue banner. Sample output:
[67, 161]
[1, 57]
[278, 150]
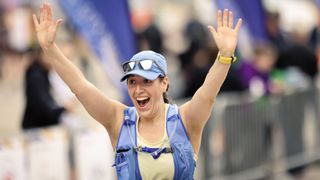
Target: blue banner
[106, 26]
[254, 14]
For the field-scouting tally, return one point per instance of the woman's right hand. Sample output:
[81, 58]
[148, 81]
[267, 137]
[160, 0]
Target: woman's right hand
[46, 28]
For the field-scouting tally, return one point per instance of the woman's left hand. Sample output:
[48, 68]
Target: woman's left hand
[225, 35]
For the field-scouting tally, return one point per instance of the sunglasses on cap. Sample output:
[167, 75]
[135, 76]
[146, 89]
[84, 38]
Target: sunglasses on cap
[145, 64]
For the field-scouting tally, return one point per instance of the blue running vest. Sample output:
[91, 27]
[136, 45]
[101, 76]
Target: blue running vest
[126, 161]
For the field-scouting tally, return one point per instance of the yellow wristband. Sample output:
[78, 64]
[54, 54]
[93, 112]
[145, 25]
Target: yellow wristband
[227, 60]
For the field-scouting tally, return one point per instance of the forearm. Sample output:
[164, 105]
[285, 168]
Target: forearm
[199, 108]
[70, 74]
[215, 78]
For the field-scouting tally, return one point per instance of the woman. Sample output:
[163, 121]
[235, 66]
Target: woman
[152, 133]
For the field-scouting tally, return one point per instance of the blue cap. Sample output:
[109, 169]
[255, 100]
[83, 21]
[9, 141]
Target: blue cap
[154, 72]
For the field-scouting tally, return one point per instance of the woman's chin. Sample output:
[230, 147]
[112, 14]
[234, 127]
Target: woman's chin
[144, 110]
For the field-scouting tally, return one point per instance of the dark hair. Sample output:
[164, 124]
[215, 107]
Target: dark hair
[165, 96]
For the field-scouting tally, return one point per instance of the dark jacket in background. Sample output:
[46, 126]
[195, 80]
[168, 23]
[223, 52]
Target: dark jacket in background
[301, 57]
[41, 109]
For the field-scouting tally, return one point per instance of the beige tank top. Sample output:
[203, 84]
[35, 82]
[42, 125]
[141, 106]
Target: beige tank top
[154, 169]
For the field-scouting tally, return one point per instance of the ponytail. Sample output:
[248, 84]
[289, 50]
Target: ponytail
[165, 96]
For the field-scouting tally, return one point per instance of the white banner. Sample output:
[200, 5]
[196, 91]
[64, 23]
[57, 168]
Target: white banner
[12, 159]
[48, 154]
[93, 155]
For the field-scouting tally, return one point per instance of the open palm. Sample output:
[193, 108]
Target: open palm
[46, 28]
[225, 35]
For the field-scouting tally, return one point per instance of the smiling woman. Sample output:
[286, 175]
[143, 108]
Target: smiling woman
[153, 133]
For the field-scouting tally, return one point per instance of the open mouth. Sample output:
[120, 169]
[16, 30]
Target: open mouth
[142, 101]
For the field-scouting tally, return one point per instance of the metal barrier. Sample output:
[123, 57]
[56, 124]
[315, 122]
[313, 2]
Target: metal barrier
[261, 137]
[247, 135]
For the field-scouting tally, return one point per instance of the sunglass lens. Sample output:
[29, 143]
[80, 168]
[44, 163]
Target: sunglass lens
[131, 64]
[146, 64]
[128, 66]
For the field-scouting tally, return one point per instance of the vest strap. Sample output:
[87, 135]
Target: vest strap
[154, 152]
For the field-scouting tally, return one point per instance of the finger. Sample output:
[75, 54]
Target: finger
[219, 18]
[35, 21]
[237, 28]
[230, 19]
[57, 24]
[45, 12]
[212, 30]
[225, 17]
[49, 13]
[41, 13]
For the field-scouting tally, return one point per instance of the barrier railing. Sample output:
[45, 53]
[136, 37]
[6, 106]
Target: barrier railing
[259, 138]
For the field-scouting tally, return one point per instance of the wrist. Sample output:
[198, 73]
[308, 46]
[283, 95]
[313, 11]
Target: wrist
[226, 53]
[226, 60]
[50, 50]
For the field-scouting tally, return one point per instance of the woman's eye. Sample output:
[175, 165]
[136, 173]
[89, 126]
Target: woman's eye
[131, 82]
[147, 81]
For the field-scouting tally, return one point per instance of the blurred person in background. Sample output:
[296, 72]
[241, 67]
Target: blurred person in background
[150, 39]
[41, 109]
[153, 133]
[197, 59]
[298, 60]
[274, 32]
[15, 38]
[255, 73]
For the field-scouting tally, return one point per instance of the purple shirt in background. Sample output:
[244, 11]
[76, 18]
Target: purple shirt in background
[247, 72]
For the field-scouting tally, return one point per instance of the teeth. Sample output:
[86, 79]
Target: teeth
[142, 98]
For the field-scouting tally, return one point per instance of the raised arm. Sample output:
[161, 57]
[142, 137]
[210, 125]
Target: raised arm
[105, 110]
[196, 112]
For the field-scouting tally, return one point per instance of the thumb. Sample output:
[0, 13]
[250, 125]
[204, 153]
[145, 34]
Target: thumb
[212, 30]
[57, 24]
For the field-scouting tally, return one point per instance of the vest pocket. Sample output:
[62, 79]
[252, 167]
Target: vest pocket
[191, 162]
[123, 170]
[122, 164]
[181, 163]
[190, 158]
[186, 160]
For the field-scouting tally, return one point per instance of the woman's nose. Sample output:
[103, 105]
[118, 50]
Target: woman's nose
[139, 88]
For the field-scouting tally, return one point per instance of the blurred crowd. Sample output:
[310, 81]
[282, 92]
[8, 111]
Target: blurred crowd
[285, 61]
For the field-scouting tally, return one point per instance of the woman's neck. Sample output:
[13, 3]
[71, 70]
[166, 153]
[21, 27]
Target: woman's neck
[156, 116]
[152, 129]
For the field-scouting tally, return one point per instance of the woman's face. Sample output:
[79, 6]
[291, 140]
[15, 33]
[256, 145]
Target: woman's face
[146, 95]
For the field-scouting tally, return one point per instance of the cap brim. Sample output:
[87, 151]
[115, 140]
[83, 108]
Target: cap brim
[145, 74]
